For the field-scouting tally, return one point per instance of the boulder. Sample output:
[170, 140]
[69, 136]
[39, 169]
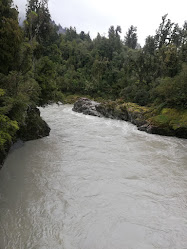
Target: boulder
[110, 110]
[34, 127]
[86, 106]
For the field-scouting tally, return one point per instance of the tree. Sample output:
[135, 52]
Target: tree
[176, 37]
[164, 32]
[131, 37]
[71, 34]
[45, 76]
[150, 45]
[114, 39]
[38, 23]
[10, 36]
[173, 91]
[183, 50]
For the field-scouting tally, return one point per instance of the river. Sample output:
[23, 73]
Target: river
[94, 183]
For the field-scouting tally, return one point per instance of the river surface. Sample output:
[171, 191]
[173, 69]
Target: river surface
[94, 183]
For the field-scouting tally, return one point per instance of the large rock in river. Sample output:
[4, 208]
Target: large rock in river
[87, 106]
[34, 127]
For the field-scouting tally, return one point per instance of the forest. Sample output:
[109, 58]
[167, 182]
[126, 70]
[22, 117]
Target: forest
[40, 65]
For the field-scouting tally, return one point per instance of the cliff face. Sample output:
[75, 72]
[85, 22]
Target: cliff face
[168, 122]
[34, 127]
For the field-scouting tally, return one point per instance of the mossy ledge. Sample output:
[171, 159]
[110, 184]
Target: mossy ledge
[166, 122]
[33, 127]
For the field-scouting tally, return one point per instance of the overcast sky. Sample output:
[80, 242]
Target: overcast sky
[98, 15]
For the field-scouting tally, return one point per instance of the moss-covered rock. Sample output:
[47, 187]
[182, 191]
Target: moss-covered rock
[72, 98]
[113, 110]
[171, 121]
[34, 127]
[7, 135]
[167, 122]
[137, 114]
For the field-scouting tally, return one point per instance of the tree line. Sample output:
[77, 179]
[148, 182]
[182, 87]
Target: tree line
[38, 64]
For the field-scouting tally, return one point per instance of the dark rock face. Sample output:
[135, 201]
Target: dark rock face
[86, 106]
[152, 129]
[3, 153]
[164, 131]
[136, 119]
[181, 132]
[160, 130]
[112, 112]
[35, 127]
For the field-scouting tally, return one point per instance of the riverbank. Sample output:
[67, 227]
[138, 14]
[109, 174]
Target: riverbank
[166, 122]
[34, 127]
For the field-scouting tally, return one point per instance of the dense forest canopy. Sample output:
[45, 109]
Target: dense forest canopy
[38, 64]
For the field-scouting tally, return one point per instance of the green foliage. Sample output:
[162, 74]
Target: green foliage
[105, 67]
[10, 36]
[131, 37]
[2, 92]
[8, 130]
[170, 117]
[45, 75]
[173, 91]
[37, 23]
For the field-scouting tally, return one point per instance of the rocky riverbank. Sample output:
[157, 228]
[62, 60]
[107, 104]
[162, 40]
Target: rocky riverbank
[167, 122]
[34, 127]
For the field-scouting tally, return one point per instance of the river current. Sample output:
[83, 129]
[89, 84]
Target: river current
[94, 183]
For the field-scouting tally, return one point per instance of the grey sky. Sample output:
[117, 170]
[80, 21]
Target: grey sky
[98, 15]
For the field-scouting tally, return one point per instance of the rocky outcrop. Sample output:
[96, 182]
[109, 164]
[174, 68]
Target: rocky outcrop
[110, 110]
[87, 106]
[34, 127]
[4, 151]
[146, 119]
[181, 132]
[152, 129]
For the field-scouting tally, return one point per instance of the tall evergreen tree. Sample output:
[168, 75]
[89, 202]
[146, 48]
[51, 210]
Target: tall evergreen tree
[164, 32]
[131, 38]
[38, 23]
